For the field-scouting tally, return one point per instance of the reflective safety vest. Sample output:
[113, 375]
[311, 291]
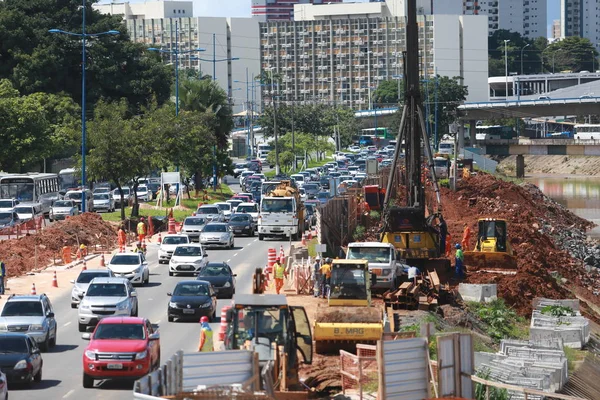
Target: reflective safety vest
[208, 340]
[141, 228]
[279, 271]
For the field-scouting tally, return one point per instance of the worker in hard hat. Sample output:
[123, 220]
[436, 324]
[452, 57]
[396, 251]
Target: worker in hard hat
[459, 259]
[141, 229]
[206, 336]
[279, 269]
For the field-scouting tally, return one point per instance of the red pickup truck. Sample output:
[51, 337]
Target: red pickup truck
[120, 348]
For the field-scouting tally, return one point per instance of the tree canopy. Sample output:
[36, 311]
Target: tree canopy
[572, 54]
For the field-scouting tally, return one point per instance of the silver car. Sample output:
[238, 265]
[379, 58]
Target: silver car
[107, 297]
[217, 234]
[62, 209]
[210, 212]
[30, 314]
[80, 285]
[104, 202]
[192, 226]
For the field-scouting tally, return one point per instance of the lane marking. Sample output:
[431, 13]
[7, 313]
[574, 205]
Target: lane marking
[228, 260]
[67, 324]
[70, 392]
[157, 322]
[235, 254]
[150, 299]
[255, 240]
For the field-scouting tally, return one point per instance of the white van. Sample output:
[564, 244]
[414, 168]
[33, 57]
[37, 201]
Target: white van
[383, 262]
[263, 149]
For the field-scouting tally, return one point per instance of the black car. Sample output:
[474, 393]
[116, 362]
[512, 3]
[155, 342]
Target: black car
[242, 224]
[311, 190]
[222, 278]
[20, 358]
[324, 182]
[192, 300]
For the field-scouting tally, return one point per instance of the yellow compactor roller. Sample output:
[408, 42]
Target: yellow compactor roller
[348, 318]
[492, 252]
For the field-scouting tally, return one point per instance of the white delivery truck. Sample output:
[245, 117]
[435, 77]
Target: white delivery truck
[281, 213]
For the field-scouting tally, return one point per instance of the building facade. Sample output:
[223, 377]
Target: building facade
[527, 17]
[580, 18]
[147, 9]
[342, 61]
[280, 10]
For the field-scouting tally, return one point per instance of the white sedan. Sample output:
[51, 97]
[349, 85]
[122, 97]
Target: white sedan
[132, 266]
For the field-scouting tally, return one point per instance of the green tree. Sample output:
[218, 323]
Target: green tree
[387, 92]
[532, 54]
[37, 61]
[571, 53]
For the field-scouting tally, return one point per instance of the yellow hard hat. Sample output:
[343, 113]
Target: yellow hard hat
[82, 246]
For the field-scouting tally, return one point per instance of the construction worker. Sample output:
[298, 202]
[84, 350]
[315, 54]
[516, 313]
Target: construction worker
[413, 274]
[206, 336]
[121, 238]
[2, 276]
[466, 236]
[459, 258]
[82, 251]
[325, 271]
[448, 245]
[139, 248]
[316, 275]
[279, 270]
[141, 229]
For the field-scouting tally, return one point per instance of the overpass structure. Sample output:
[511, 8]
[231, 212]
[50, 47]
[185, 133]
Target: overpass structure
[541, 147]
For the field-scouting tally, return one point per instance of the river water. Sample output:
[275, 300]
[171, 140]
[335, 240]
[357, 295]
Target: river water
[579, 194]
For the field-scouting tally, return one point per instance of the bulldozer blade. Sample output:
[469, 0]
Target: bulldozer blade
[495, 262]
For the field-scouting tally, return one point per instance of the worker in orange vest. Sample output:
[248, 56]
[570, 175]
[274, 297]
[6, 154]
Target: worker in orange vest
[448, 245]
[466, 236]
[141, 229]
[122, 239]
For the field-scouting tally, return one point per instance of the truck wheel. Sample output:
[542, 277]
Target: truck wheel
[260, 236]
[88, 381]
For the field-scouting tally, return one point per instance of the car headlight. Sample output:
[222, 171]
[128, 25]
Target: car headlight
[21, 364]
[3, 328]
[90, 354]
[84, 306]
[36, 328]
[172, 305]
[122, 306]
[386, 272]
[224, 236]
[227, 284]
[141, 355]
[206, 305]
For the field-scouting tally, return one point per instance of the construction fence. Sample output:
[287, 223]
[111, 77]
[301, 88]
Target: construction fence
[24, 228]
[359, 371]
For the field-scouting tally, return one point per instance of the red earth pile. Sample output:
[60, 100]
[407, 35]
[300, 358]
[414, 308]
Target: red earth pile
[20, 255]
[527, 210]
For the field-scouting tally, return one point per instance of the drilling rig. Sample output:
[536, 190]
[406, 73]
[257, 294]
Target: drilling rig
[416, 229]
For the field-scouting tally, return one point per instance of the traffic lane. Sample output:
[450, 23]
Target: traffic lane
[62, 366]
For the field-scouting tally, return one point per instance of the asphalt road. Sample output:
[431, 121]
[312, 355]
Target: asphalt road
[62, 372]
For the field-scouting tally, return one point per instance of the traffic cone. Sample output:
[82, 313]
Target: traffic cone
[281, 253]
[102, 262]
[304, 239]
[33, 291]
[84, 265]
[159, 238]
[54, 281]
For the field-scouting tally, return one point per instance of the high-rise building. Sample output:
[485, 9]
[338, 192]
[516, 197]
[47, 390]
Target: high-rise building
[556, 29]
[527, 17]
[343, 58]
[280, 10]
[580, 18]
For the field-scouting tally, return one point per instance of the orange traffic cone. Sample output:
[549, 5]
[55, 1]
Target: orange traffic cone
[84, 265]
[281, 253]
[102, 262]
[33, 291]
[54, 281]
[304, 239]
[159, 238]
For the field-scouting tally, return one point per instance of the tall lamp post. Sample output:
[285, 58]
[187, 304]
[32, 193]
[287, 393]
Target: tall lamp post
[83, 35]
[506, 65]
[524, 47]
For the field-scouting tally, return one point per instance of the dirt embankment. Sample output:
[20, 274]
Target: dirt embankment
[561, 165]
[20, 255]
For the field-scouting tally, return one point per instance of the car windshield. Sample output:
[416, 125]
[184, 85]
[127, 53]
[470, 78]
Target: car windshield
[120, 331]
[194, 221]
[142, 189]
[215, 270]
[125, 192]
[175, 240]
[248, 208]
[240, 218]
[63, 204]
[6, 204]
[88, 276]
[372, 254]
[235, 203]
[107, 290]
[102, 196]
[224, 206]
[13, 345]
[125, 259]
[188, 251]
[311, 187]
[24, 210]
[348, 283]
[323, 195]
[73, 196]
[191, 289]
[23, 309]
[208, 210]
[277, 205]
[215, 228]
[5, 217]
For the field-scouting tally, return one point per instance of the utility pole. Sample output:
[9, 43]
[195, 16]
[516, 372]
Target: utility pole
[277, 170]
[506, 65]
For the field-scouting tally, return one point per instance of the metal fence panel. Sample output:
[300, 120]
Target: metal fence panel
[455, 365]
[483, 163]
[217, 368]
[404, 369]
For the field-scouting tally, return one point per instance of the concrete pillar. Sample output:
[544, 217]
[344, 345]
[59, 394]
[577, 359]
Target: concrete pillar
[461, 137]
[520, 166]
[472, 131]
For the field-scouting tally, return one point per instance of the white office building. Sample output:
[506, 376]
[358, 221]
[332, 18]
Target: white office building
[580, 18]
[154, 24]
[527, 17]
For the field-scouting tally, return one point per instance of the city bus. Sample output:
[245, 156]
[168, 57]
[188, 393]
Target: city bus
[32, 187]
[494, 132]
[381, 133]
[587, 131]
[68, 179]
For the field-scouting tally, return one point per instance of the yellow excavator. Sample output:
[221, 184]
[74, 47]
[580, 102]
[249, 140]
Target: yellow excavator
[492, 252]
[349, 317]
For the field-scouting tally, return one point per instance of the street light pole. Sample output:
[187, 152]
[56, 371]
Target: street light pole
[524, 47]
[506, 65]
[83, 35]
[176, 73]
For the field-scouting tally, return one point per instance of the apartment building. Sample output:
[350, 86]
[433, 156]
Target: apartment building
[527, 17]
[280, 10]
[580, 18]
[341, 60]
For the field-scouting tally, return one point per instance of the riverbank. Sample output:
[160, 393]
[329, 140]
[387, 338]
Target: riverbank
[553, 165]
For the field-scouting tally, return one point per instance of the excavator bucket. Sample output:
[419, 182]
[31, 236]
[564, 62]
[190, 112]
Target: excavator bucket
[341, 328]
[495, 262]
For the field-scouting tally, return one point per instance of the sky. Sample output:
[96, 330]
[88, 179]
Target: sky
[241, 8]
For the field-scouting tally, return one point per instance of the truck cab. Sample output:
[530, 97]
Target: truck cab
[383, 262]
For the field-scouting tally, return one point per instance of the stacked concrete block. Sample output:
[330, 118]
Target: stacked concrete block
[478, 293]
[574, 331]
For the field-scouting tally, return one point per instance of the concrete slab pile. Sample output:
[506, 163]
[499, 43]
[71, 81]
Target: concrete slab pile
[479, 293]
[573, 330]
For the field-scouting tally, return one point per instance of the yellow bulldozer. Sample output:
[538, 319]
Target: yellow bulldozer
[492, 252]
[349, 317]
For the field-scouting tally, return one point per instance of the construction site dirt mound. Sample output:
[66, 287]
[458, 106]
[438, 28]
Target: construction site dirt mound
[35, 251]
[366, 315]
[532, 219]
